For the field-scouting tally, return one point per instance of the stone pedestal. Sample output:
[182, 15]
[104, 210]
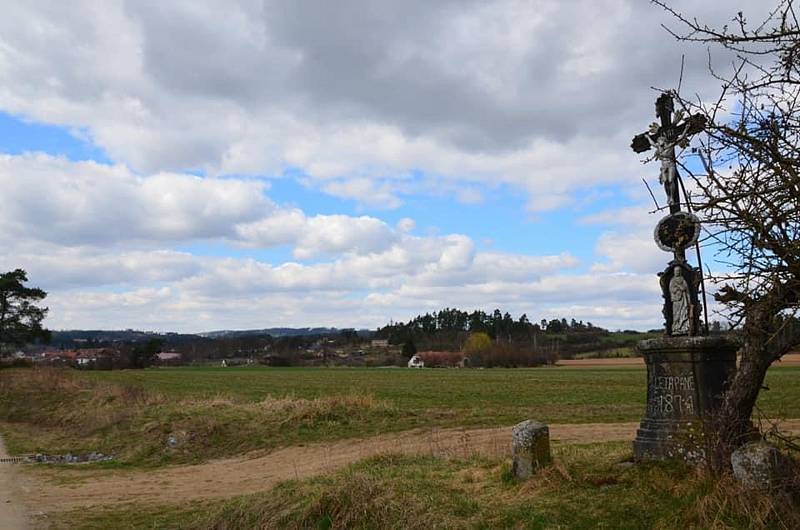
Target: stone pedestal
[686, 377]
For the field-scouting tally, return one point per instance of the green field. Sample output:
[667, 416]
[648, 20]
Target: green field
[228, 411]
[465, 397]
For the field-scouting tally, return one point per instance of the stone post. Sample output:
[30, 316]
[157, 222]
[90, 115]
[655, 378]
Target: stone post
[686, 377]
[530, 448]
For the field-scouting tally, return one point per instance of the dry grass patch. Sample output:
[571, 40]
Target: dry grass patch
[356, 500]
[359, 498]
[57, 410]
[725, 503]
[293, 409]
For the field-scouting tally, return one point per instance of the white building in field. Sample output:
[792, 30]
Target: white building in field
[169, 357]
[416, 362]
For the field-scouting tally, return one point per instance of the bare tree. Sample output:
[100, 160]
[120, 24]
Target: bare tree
[748, 193]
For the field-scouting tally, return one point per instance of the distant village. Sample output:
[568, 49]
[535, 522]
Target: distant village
[449, 339]
[319, 351]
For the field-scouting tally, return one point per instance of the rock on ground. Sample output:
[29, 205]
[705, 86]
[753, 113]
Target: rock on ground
[759, 465]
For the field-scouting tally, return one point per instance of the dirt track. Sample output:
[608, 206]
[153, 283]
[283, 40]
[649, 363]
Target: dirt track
[594, 363]
[249, 474]
[791, 359]
[11, 510]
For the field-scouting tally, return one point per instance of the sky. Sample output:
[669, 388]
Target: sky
[200, 165]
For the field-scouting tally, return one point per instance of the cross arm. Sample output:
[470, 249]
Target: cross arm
[675, 133]
[641, 143]
[695, 124]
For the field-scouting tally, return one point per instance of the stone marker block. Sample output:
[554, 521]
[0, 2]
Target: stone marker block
[759, 465]
[530, 448]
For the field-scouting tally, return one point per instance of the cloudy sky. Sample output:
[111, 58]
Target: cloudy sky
[191, 165]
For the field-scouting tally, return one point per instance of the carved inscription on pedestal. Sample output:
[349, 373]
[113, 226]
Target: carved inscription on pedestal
[671, 396]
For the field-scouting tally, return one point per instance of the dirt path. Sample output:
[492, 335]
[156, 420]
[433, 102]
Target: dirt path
[790, 359]
[594, 363]
[249, 474]
[12, 512]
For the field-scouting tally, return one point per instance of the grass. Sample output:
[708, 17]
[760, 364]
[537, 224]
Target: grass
[589, 486]
[222, 411]
[58, 411]
[452, 397]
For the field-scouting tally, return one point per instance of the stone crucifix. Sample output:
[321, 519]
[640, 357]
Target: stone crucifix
[680, 229]
[663, 138]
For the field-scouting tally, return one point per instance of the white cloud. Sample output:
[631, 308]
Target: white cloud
[87, 203]
[168, 290]
[53, 199]
[373, 105]
[318, 234]
[101, 240]
[406, 224]
[630, 251]
[338, 233]
[543, 97]
[364, 291]
[636, 216]
[364, 191]
[57, 267]
[469, 196]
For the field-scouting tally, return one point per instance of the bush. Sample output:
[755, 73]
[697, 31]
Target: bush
[441, 359]
[477, 343]
[16, 363]
[409, 349]
[506, 355]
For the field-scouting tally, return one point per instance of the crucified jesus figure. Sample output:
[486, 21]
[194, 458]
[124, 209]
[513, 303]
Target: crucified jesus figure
[663, 140]
[668, 176]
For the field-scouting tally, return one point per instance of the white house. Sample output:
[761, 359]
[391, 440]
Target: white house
[169, 357]
[85, 359]
[416, 362]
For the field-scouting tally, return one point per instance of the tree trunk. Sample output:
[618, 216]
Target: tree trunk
[732, 424]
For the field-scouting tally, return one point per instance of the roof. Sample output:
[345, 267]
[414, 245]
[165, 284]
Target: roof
[60, 354]
[92, 353]
[88, 353]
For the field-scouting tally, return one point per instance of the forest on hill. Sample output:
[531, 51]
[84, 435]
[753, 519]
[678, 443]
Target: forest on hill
[557, 338]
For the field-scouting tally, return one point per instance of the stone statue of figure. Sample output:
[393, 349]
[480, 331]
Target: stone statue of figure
[679, 294]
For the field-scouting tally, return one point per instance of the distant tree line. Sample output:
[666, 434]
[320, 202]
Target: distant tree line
[449, 330]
